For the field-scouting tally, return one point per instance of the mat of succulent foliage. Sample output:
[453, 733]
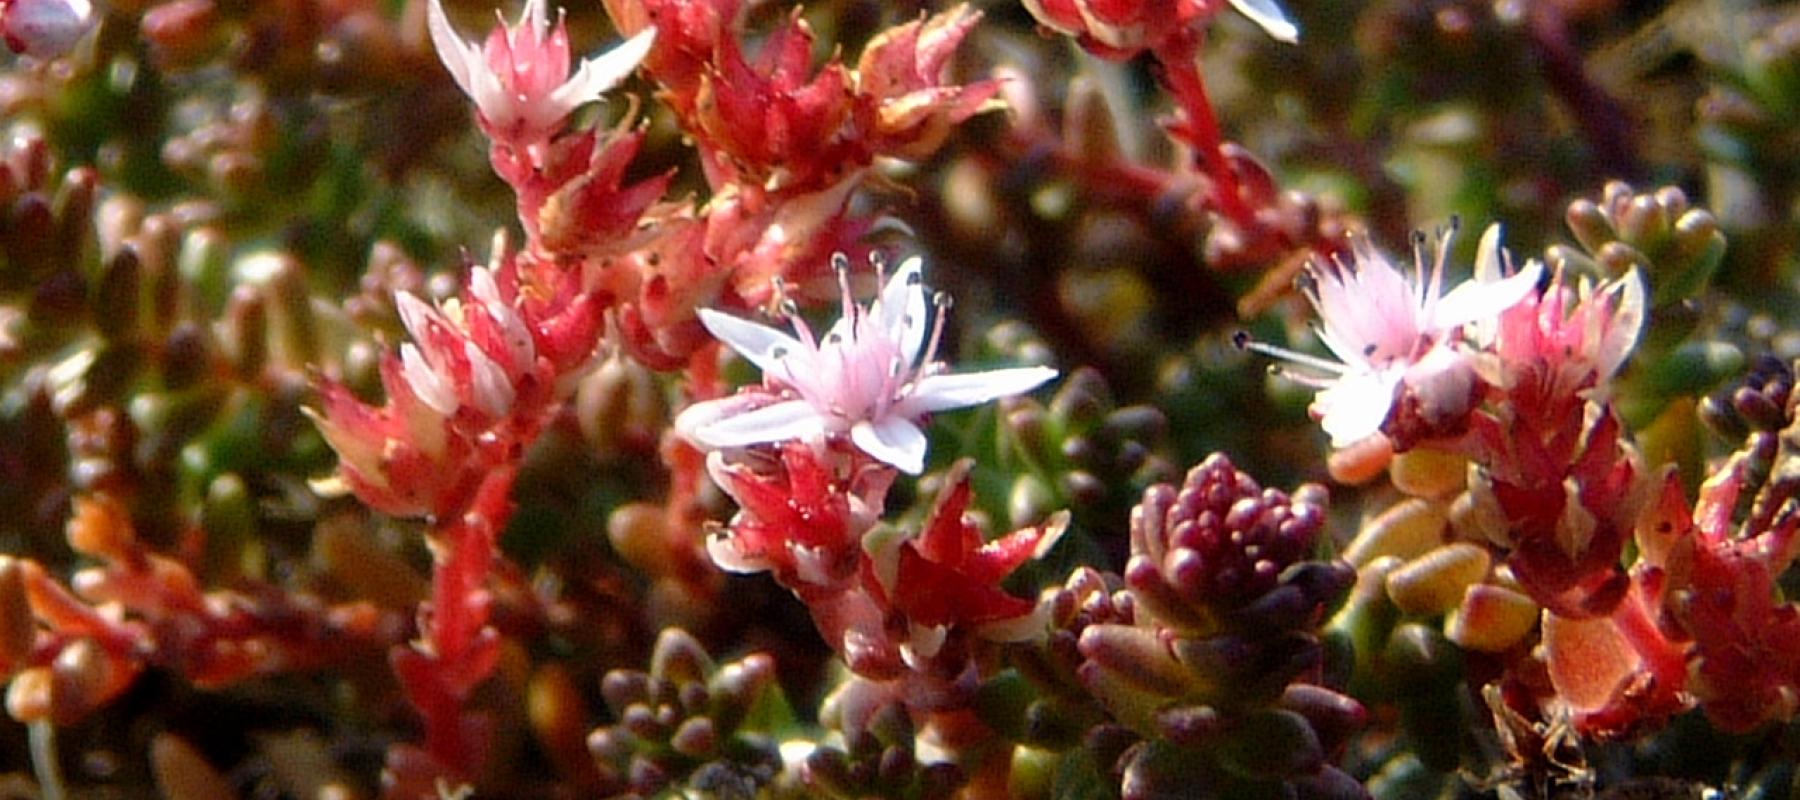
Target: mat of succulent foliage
[649, 456]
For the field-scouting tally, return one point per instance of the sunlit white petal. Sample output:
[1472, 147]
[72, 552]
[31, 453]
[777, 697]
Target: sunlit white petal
[493, 391]
[460, 57]
[1355, 406]
[893, 440]
[1477, 300]
[762, 345]
[604, 71]
[432, 388]
[945, 392]
[1626, 326]
[789, 419]
[415, 315]
[902, 304]
[1269, 16]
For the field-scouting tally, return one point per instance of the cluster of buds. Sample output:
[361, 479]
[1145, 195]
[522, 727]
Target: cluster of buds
[778, 124]
[483, 375]
[476, 383]
[881, 752]
[1220, 670]
[682, 724]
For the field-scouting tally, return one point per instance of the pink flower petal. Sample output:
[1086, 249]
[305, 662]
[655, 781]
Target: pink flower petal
[893, 440]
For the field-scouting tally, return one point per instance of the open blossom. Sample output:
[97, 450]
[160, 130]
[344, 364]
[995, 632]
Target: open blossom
[872, 377]
[519, 78]
[1570, 339]
[1388, 330]
[44, 28]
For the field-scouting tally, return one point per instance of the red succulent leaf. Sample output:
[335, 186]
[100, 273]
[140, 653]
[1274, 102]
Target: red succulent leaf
[948, 575]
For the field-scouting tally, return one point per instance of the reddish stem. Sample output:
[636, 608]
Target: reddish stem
[1180, 59]
[457, 649]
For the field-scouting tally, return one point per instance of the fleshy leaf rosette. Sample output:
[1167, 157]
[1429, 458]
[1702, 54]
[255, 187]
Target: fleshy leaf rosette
[1220, 672]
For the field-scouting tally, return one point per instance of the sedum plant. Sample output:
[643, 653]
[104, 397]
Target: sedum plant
[649, 455]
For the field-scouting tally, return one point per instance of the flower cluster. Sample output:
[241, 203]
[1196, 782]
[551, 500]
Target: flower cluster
[477, 379]
[568, 183]
[841, 413]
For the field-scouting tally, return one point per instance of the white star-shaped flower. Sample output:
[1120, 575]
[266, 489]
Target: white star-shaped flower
[1384, 326]
[872, 376]
[519, 79]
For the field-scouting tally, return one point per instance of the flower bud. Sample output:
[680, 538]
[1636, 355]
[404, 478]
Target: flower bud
[678, 657]
[1589, 224]
[695, 738]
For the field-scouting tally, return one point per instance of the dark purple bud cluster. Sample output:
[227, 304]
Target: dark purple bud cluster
[1220, 544]
[1210, 653]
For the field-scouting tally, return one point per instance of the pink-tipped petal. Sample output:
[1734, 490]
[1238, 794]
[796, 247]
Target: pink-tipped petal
[1627, 323]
